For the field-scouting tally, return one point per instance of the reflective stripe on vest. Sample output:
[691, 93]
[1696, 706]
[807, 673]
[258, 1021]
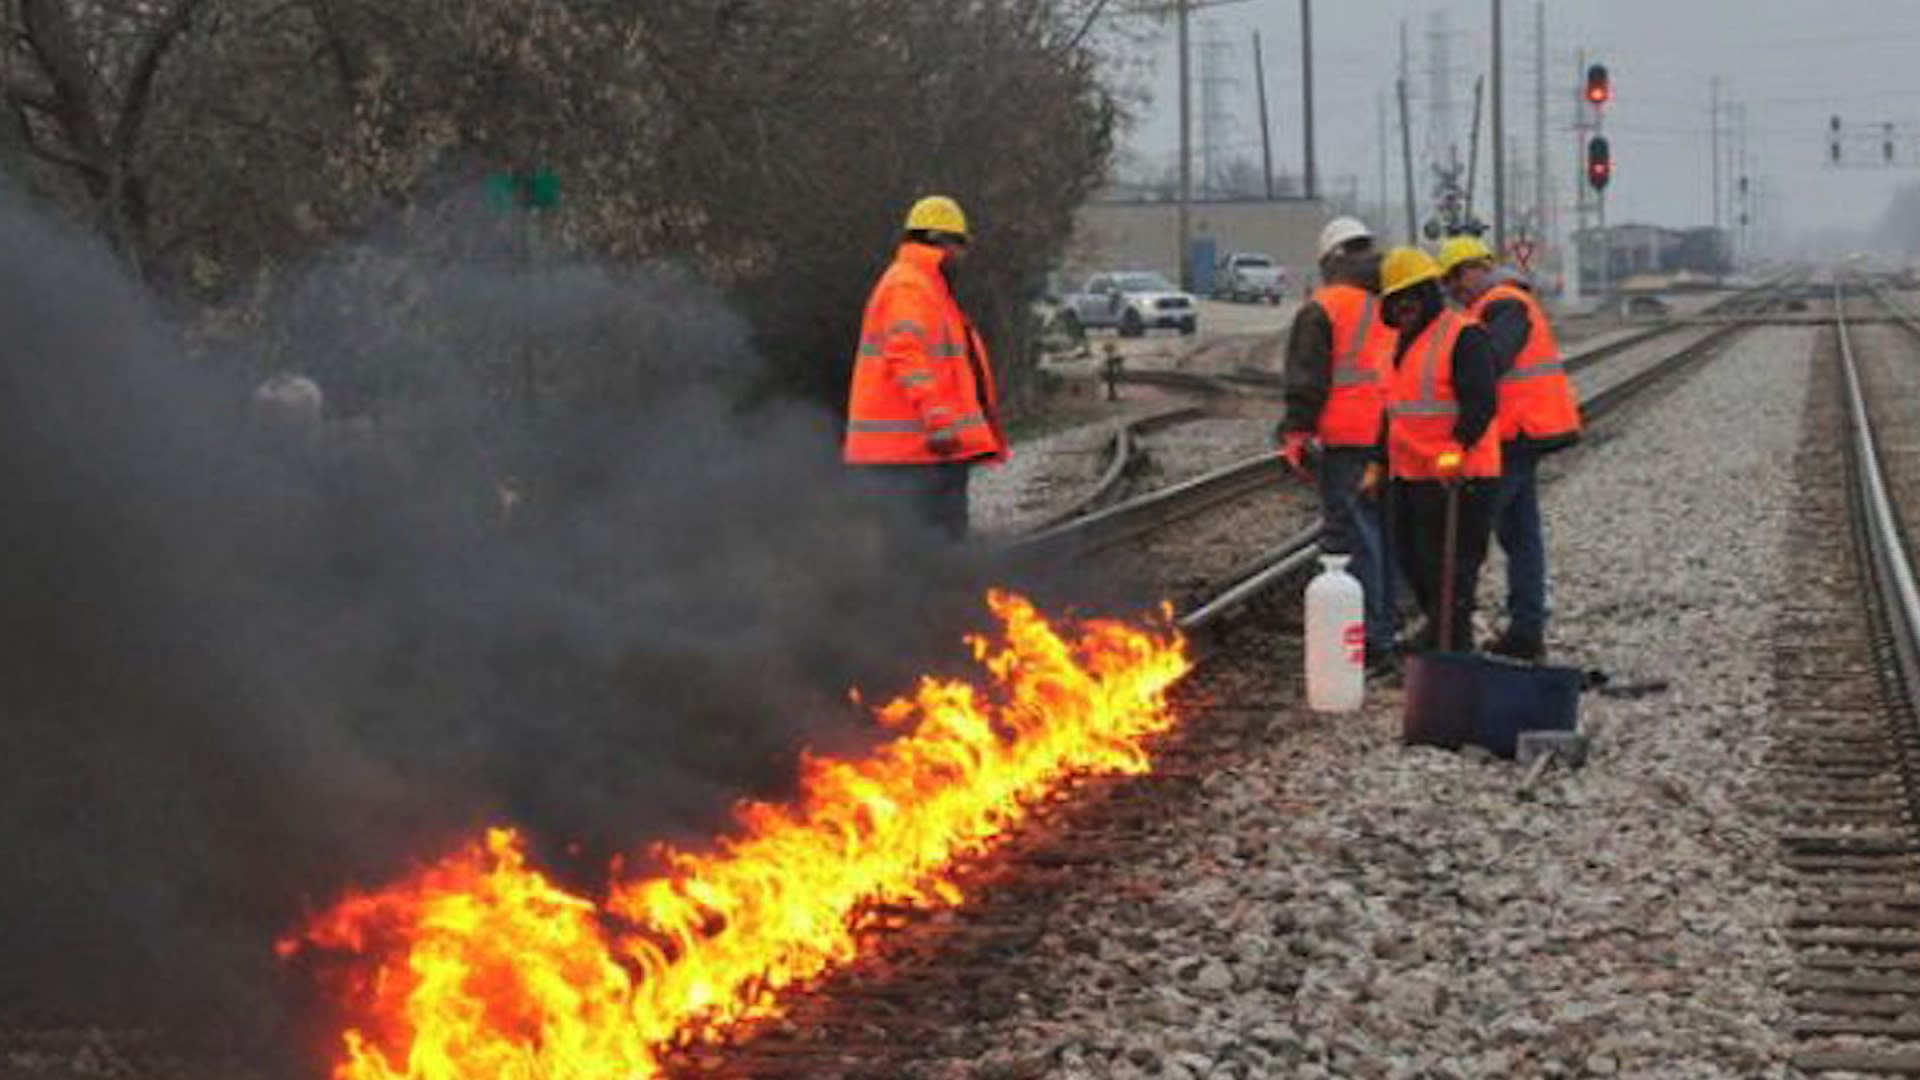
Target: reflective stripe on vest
[1347, 369]
[919, 370]
[1420, 426]
[1429, 403]
[939, 350]
[1362, 353]
[901, 427]
[1537, 399]
[1551, 367]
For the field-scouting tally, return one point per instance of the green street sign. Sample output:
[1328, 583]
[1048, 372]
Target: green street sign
[523, 189]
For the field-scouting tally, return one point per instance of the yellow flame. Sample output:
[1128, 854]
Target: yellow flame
[479, 967]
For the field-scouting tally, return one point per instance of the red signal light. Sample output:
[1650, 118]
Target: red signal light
[1599, 86]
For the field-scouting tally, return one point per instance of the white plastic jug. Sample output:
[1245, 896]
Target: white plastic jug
[1336, 639]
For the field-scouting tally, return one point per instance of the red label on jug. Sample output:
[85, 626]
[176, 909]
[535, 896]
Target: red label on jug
[1354, 639]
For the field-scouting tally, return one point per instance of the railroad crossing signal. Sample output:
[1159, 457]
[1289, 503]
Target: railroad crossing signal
[1599, 163]
[1599, 87]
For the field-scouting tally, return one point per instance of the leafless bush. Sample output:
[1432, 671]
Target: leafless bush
[768, 145]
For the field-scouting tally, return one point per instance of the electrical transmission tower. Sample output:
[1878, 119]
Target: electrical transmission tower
[1217, 86]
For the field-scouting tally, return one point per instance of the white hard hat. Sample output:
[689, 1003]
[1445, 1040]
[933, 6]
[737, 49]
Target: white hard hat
[1341, 230]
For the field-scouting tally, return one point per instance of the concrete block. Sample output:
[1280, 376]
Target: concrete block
[1569, 747]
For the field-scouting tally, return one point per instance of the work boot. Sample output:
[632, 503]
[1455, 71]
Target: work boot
[1385, 676]
[1519, 644]
[1383, 664]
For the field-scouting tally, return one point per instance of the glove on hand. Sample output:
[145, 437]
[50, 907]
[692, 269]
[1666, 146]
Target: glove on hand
[1446, 464]
[1370, 478]
[943, 442]
[1299, 449]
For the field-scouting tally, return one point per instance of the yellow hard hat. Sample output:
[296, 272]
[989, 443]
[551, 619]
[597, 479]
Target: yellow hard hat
[937, 213]
[1463, 249]
[1405, 267]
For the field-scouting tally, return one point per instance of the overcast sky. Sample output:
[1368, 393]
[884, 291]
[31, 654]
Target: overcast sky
[1791, 63]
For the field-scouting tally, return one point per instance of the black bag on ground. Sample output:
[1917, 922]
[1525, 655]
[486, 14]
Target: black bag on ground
[1460, 699]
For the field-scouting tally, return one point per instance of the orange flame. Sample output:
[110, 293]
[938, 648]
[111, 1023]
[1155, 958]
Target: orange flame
[481, 967]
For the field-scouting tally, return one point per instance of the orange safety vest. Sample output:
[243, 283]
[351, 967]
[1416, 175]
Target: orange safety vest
[921, 368]
[1536, 397]
[1422, 408]
[1362, 357]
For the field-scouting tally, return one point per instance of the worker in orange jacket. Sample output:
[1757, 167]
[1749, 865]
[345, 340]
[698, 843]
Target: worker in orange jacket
[1442, 448]
[1338, 356]
[923, 408]
[1539, 412]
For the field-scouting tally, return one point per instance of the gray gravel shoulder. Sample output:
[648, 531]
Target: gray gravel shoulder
[1043, 473]
[1339, 906]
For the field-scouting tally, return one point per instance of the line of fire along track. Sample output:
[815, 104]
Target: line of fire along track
[1846, 661]
[926, 995]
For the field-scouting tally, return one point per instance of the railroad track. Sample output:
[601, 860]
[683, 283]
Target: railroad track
[1085, 533]
[925, 997]
[1848, 745]
[1079, 527]
[1126, 449]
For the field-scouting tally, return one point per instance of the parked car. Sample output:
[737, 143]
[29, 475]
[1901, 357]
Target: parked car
[1132, 302]
[1248, 275]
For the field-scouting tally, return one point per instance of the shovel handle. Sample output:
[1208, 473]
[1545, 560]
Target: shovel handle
[1449, 548]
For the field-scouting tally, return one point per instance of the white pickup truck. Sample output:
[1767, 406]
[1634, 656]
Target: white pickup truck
[1247, 275]
[1131, 302]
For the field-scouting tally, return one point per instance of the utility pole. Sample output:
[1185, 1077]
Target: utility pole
[1406, 165]
[1306, 96]
[1186, 147]
[1380, 143]
[1406, 142]
[1499, 140]
[1581, 130]
[1740, 174]
[1443, 146]
[1606, 249]
[1542, 212]
[1713, 113]
[1473, 149]
[1266, 133]
[1542, 221]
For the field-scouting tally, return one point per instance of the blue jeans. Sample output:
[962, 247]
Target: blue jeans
[1516, 524]
[1352, 523]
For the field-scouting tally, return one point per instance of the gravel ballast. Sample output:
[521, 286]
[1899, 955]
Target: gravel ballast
[1335, 905]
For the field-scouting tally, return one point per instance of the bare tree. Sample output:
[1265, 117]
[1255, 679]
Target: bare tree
[79, 81]
[770, 146]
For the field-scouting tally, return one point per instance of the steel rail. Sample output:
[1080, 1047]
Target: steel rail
[1889, 562]
[1297, 554]
[1123, 450]
[1126, 446]
[1191, 381]
[1177, 502]
[1848, 836]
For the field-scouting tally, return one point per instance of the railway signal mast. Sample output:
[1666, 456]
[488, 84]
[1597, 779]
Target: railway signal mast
[1840, 134]
[1596, 162]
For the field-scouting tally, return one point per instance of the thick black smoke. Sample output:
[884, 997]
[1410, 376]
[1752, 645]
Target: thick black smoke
[240, 670]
